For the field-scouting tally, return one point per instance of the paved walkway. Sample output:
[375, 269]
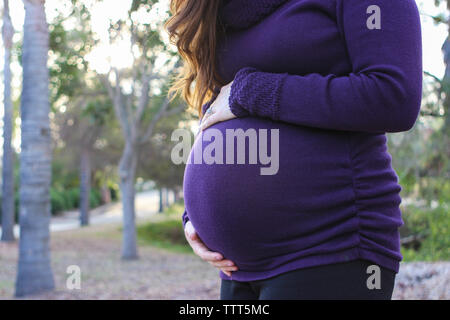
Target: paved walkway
[147, 204]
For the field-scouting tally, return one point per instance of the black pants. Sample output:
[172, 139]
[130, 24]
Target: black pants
[341, 281]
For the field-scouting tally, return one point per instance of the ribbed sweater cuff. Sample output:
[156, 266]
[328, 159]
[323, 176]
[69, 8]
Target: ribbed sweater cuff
[256, 93]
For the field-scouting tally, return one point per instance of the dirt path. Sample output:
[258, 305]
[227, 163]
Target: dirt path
[160, 274]
[96, 250]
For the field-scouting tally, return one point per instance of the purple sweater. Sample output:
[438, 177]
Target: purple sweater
[333, 76]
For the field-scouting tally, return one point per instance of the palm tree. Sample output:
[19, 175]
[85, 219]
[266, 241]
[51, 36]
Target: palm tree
[34, 270]
[8, 166]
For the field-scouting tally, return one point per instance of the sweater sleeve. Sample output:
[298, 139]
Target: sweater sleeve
[381, 94]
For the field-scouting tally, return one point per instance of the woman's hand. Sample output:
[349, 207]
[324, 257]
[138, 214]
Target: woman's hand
[219, 110]
[213, 258]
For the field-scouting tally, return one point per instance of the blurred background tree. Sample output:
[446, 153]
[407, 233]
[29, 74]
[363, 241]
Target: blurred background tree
[8, 209]
[81, 111]
[134, 91]
[421, 159]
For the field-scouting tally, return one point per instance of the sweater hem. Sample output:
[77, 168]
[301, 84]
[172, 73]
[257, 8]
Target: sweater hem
[352, 254]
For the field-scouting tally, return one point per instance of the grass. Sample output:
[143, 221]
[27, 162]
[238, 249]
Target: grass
[166, 231]
[432, 227]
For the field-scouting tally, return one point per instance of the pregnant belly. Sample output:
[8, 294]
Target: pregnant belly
[249, 216]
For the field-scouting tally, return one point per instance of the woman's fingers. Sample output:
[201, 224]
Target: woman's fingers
[198, 246]
[205, 116]
[190, 232]
[218, 116]
[219, 110]
[222, 263]
[226, 268]
[206, 120]
[214, 258]
[203, 252]
[209, 122]
[228, 273]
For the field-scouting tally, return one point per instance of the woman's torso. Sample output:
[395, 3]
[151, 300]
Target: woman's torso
[334, 191]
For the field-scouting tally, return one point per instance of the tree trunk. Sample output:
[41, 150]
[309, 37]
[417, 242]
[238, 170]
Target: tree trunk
[166, 197]
[446, 52]
[176, 194]
[34, 271]
[161, 201]
[8, 156]
[446, 102]
[106, 195]
[85, 186]
[127, 174]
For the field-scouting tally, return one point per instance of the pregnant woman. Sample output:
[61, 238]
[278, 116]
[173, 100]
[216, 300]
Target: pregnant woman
[322, 81]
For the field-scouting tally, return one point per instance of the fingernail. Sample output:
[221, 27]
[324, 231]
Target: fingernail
[229, 264]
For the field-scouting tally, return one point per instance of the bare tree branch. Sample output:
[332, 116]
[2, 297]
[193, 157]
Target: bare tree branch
[144, 97]
[162, 112]
[155, 120]
[115, 96]
[433, 76]
[431, 114]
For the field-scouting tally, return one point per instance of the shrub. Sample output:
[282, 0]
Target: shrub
[72, 197]
[95, 198]
[63, 200]
[58, 202]
[432, 229]
[114, 193]
[167, 233]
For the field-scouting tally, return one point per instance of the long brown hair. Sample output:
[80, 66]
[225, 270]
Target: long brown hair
[194, 28]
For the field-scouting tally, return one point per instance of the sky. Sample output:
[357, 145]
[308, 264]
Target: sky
[120, 56]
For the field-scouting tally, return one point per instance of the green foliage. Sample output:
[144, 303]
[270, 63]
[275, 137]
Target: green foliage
[95, 198]
[114, 190]
[175, 210]
[432, 229]
[167, 233]
[155, 157]
[58, 202]
[63, 200]
[63, 176]
[420, 158]
[68, 49]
